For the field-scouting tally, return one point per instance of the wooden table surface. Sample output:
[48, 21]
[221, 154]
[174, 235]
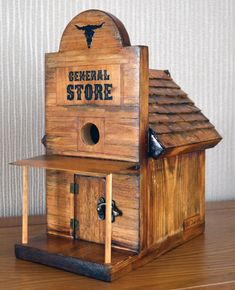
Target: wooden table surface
[207, 262]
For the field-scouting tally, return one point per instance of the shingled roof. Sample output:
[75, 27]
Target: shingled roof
[177, 124]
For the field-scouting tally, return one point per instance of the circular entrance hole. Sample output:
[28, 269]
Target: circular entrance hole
[90, 134]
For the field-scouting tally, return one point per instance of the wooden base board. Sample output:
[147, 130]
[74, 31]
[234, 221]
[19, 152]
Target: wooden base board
[86, 258]
[77, 256]
[74, 265]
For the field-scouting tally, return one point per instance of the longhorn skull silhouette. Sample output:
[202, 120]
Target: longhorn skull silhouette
[89, 32]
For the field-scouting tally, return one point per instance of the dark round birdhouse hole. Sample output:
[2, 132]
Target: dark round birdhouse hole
[90, 134]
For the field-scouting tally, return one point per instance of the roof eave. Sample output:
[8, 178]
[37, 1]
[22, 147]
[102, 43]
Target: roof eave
[173, 151]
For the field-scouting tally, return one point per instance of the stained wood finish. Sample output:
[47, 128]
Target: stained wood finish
[113, 74]
[41, 250]
[16, 221]
[90, 227]
[155, 251]
[166, 221]
[179, 124]
[113, 33]
[117, 119]
[62, 205]
[82, 166]
[92, 252]
[126, 229]
[100, 103]
[123, 116]
[108, 219]
[177, 188]
[25, 205]
[144, 193]
[65, 262]
[201, 263]
[189, 148]
[87, 258]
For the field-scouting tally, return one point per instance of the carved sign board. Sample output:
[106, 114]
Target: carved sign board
[96, 91]
[90, 84]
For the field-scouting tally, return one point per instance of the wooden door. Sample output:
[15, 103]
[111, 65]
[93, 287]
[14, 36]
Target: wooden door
[89, 228]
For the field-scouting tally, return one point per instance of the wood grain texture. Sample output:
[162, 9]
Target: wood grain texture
[88, 251]
[112, 75]
[65, 262]
[155, 251]
[90, 227]
[25, 205]
[108, 219]
[143, 144]
[62, 206]
[17, 221]
[176, 186]
[118, 115]
[121, 115]
[170, 191]
[82, 166]
[202, 262]
[126, 229]
[60, 203]
[41, 219]
[113, 32]
[43, 250]
[43, 23]
[160, 239]
[177, 122]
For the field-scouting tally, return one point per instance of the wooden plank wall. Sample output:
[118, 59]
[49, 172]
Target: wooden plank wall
[176, 186]
[60, 203]
[118, 125]
[62, 206]
[90, 227]
[126, 194]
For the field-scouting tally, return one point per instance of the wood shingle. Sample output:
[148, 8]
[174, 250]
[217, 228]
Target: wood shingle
[174, 118]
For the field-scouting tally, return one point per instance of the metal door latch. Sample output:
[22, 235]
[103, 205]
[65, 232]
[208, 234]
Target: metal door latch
[101, 204]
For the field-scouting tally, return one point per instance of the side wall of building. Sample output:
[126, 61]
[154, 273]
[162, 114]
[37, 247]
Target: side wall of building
[176, 195]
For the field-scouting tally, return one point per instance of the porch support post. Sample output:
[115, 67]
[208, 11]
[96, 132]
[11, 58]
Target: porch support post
[25, 205]
[108, 219]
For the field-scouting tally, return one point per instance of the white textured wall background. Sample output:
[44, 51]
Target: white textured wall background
[193, 39]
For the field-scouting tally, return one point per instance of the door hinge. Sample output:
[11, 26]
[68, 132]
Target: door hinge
[74, 188]
[74, 224]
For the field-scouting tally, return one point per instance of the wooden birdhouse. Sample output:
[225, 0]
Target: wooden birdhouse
[125, 156]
